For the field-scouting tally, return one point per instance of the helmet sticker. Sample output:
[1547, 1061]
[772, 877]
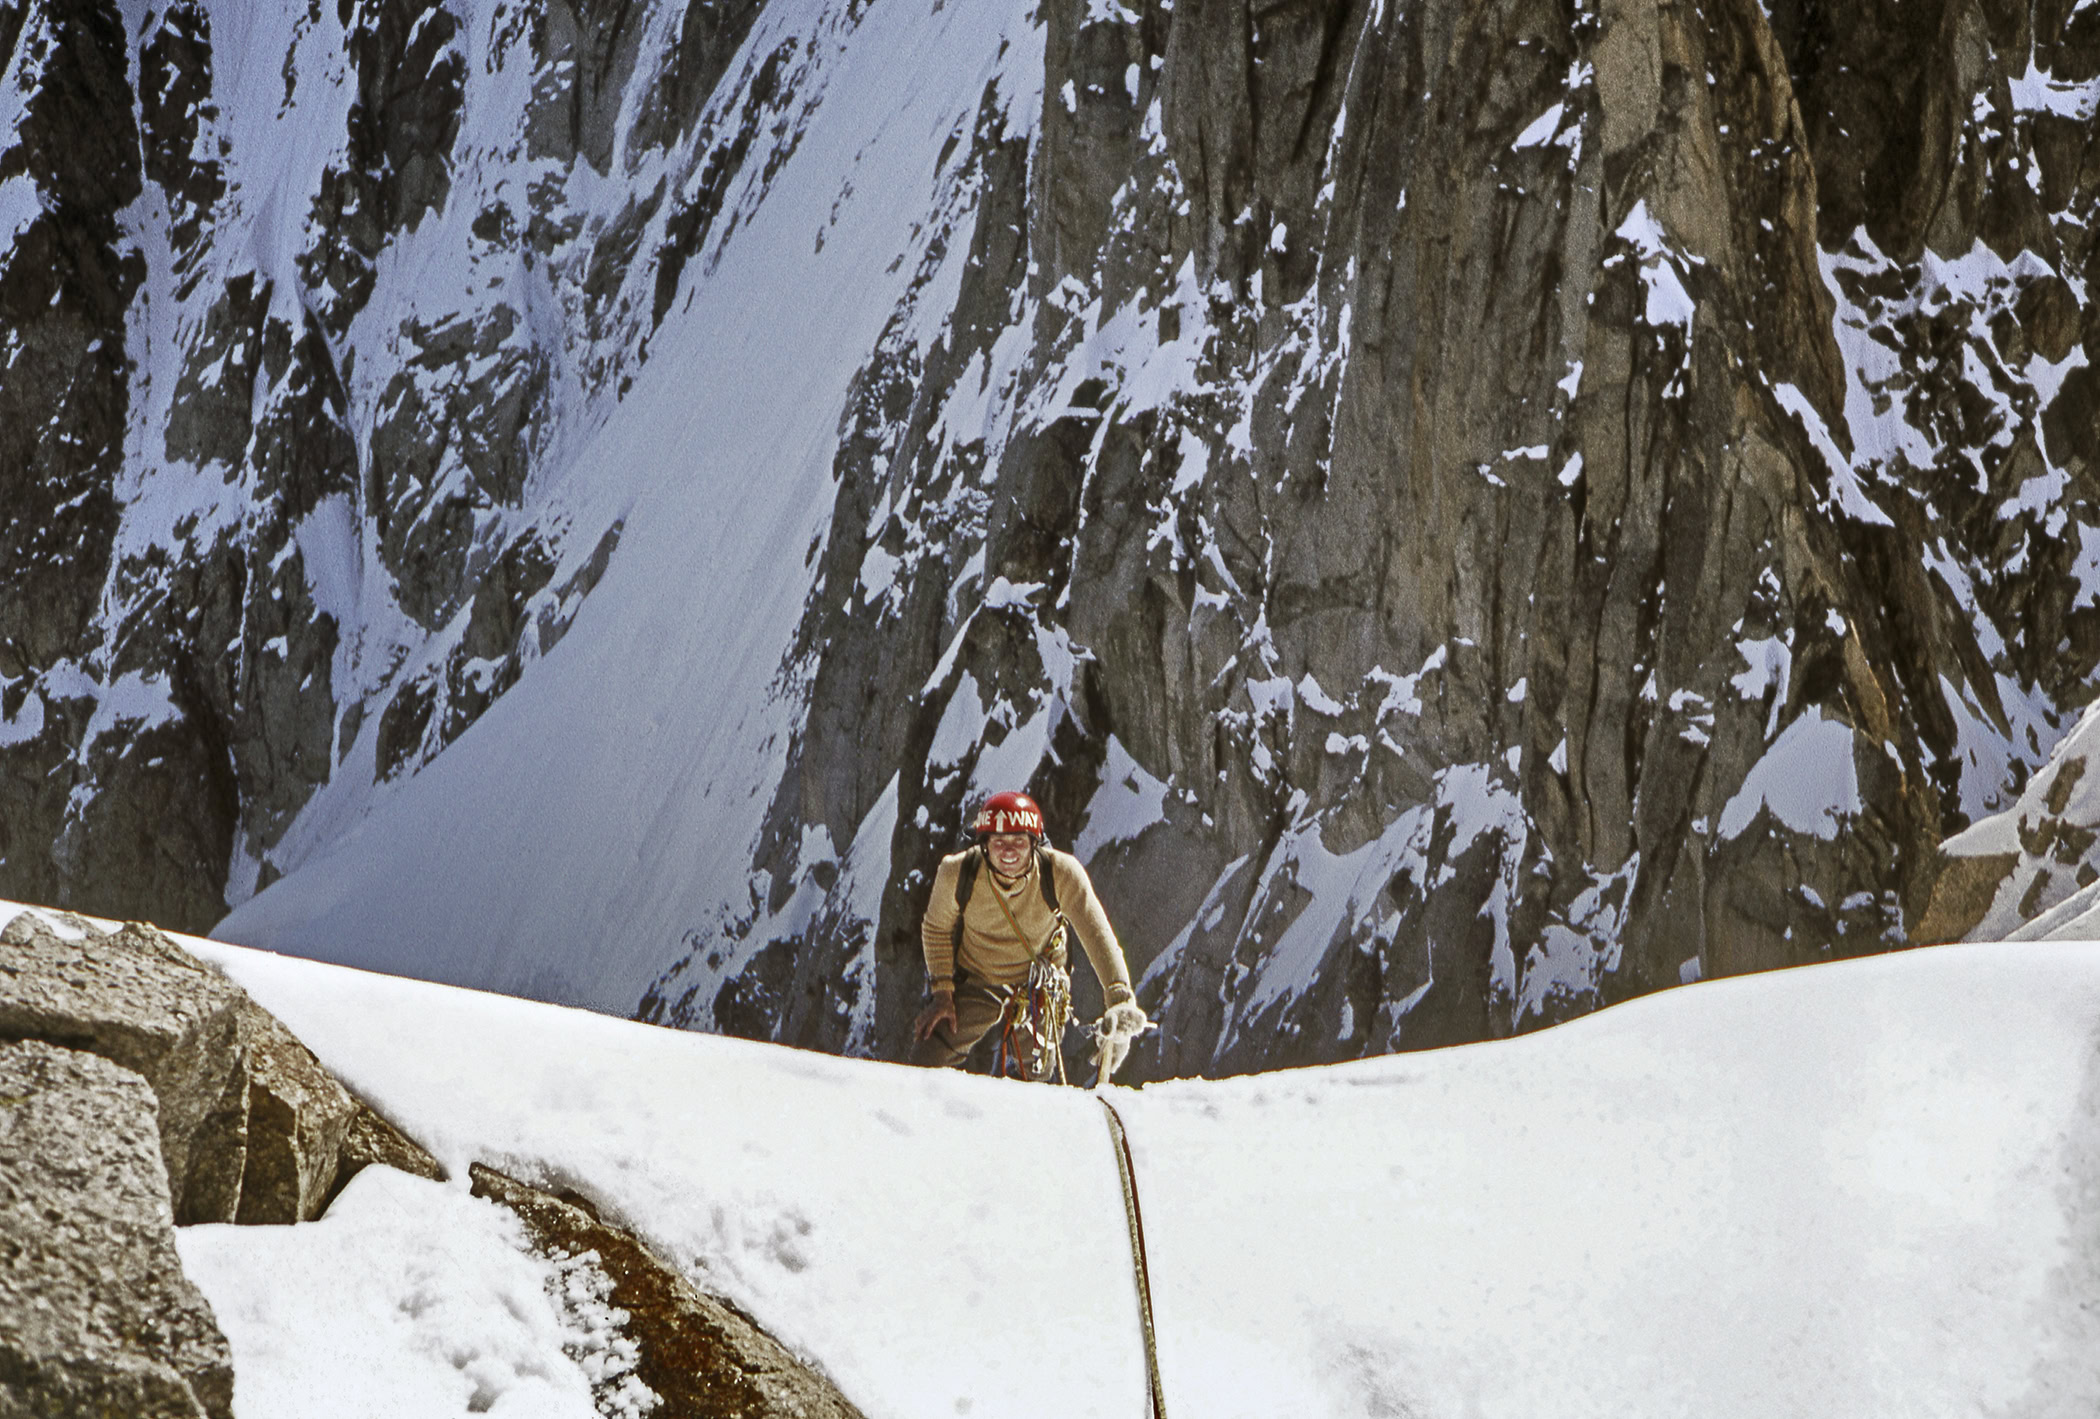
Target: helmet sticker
[1009, 813]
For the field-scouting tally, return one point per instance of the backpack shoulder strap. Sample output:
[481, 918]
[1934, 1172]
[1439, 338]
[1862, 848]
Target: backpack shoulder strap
[1049, 880]
[965, 882]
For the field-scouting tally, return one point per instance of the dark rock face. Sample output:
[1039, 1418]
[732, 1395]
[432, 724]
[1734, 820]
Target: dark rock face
[96, 1317]
[1470, 512]
[66, 278]
[699, 1355]
[397, 167]
[206, 441]
[1623, 505]
[252, 1128]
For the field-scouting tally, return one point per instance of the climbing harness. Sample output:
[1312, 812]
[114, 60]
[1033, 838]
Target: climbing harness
[1033, 1023]
[1032, 1026]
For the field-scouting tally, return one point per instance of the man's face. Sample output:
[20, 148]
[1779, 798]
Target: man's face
[1009, 852]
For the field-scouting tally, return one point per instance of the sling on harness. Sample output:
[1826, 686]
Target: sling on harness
[1035, 1015]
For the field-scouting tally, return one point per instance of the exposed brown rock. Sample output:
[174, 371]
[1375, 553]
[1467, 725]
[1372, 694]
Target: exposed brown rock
[2030, 871]
[1962, 894]
[705, 1358]
[297, 1119]
[371, 1139]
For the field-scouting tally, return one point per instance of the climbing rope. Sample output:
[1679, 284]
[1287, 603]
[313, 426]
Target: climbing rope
[1124, 1170]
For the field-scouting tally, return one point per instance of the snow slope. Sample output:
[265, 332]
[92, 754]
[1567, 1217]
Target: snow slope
[1868, 1188]
[1859, 1189]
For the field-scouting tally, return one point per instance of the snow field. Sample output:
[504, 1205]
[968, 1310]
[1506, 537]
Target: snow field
[1861, 1189]
[1868, 1189]
[940, 1244]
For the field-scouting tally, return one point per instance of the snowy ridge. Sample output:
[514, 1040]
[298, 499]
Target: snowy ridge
[1860, 1185]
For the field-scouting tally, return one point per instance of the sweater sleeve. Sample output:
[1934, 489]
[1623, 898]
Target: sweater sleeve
[937, 927]
[1075, 894]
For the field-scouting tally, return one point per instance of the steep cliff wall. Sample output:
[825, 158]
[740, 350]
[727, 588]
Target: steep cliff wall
[1482, 534]
[300, 333]
[1462, 512]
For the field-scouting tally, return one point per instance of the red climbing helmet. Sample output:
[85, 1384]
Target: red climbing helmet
[1009, 813]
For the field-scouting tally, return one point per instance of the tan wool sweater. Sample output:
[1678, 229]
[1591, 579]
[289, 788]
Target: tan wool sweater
[991, 952]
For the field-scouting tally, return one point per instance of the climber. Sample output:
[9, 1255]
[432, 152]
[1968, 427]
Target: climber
[995, 935]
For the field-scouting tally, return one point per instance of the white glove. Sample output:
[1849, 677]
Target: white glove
[1124, 1019]
[1120, 1024]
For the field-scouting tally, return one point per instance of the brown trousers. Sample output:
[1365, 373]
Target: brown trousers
[978, 1008]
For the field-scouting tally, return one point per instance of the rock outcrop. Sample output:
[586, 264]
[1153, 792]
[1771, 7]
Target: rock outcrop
[140, 1089]
[696, 1353]
[252, 1127]
[96, 1317]
[143, 1003]
[2032, 871]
